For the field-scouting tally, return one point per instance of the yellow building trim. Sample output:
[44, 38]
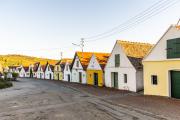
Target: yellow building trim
[90, 77]
[162, 70]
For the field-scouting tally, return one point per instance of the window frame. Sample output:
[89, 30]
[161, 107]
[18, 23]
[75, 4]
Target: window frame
[125, 76]
[117, 60]
[154, 81]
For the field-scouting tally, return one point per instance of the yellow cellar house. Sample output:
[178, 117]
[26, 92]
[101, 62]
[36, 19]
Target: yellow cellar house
[57, 71]
[59, 68]
[162, 66]
[95, 69]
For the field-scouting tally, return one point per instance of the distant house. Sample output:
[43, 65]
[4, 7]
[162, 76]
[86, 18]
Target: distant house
[79, 66]
[95, 69]
[67, 70]
[35, 69]
[26, 69]
[59, 69]
[40, 71]
[49, 69]
[162, 65]
[31, 73]
[13, 69]
[58, 75]
[22, 72]
[124, 69]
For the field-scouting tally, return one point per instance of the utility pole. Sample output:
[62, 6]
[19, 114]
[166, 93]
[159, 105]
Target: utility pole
[81, 45]
[178, 22]
[61, 55]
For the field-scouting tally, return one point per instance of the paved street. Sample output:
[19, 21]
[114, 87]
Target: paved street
[52, 100]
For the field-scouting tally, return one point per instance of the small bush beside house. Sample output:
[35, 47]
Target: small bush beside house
[5, 84]
[15, 76]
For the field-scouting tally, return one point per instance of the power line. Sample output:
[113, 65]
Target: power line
[137, 20]
[142, 13]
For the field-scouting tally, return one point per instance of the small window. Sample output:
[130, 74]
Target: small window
[154, 80]
[77, 64]
[125, 78]
[117, 60]
[57, 68]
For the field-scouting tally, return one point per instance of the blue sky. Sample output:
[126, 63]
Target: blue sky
[44, 28]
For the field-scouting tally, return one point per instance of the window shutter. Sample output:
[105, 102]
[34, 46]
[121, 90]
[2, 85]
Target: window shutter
[117, 60]
[173, 48]
[169, 48]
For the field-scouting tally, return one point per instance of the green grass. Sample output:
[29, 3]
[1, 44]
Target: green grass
[5, 84]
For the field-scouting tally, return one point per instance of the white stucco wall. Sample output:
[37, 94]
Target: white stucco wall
[94, 64]
[159, 53]
[22, 73]
[40, 73]
[67, 72]
[125, 68]
[76, 70]
[48, 72]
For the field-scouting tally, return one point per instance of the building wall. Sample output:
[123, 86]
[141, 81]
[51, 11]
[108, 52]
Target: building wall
[158, 53]
[40, 74]
[131, 78]
[67, 72]
[22, 73]
[48, 73]
[125, 68]
[58, 73]
[156, 63]
[75, 75]
[161, 69]
[90, 77]
[76, 70]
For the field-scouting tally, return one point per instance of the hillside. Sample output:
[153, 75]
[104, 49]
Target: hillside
[9, 60]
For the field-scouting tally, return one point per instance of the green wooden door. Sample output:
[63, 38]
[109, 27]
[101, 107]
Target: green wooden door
[114, 79]
[175, 84]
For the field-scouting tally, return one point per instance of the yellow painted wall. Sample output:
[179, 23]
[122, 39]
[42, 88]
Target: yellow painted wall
[90, 77]
[56, 75]
[161, 69]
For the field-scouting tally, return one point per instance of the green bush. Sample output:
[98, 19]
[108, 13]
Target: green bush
[15, 75]
[5, 84]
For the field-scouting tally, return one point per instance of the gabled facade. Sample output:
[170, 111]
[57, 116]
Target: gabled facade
[79, 66]
[49, 72]
[124, 68]
[58, 75]
[31, 73]
[13, 69]
[26, 69]
[40, 71]
[67, 71]
[162, 66]
[22, 72]
[95, 69]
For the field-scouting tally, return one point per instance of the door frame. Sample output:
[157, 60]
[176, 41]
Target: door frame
[97, 79]
[69, 78]
[113, 80]
[169, 80]
[80, 77]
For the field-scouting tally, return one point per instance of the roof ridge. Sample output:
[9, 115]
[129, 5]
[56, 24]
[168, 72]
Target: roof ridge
[93, 52]
[126, 41]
